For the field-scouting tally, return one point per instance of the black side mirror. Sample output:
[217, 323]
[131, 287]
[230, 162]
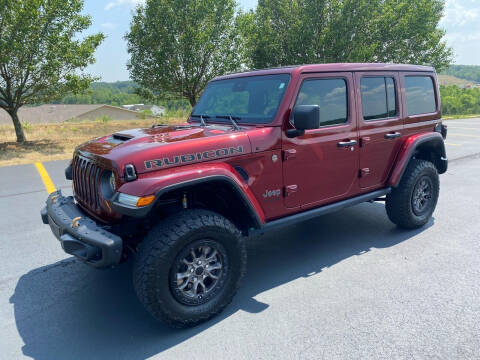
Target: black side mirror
[305, 117]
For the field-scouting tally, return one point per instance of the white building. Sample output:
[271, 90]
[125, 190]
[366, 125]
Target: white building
[155, 109]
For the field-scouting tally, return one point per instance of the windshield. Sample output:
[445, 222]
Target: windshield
[253, 99]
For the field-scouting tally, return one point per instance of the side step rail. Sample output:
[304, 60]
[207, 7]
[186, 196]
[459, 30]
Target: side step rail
[313, 213]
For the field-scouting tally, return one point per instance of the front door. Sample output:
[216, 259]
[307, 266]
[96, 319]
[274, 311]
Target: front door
[380, 125]
[321, 166]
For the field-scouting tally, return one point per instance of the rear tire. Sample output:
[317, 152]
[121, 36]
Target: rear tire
[412, 203]
[189, 267]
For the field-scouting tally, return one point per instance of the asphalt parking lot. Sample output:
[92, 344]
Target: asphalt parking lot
[346, 285]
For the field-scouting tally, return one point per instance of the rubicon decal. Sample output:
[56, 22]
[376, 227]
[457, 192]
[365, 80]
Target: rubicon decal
[188, 158]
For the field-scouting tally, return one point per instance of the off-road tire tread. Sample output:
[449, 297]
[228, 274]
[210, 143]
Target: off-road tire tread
[398, 203]
[156, 246]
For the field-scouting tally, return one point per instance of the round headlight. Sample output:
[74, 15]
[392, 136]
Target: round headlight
[108, 184]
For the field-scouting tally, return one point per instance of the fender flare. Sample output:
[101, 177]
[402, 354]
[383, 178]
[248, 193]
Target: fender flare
[434, 140]
[164, 181]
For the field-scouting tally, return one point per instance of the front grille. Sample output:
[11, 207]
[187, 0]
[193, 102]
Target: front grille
[86, 181]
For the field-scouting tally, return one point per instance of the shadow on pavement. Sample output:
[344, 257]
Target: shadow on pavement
[68, 310]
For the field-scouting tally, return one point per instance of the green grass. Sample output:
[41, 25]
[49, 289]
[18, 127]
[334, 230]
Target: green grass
[453, 117]
[57, 141]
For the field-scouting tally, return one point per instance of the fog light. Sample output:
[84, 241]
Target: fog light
[135, 201]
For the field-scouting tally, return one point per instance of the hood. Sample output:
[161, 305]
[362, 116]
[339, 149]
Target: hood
[163, 147]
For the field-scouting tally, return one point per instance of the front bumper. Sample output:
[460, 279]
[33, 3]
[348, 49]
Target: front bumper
[79, 235]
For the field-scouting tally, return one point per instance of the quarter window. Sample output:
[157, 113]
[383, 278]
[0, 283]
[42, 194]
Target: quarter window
[419, 94]
[330, 95]
[379, 100]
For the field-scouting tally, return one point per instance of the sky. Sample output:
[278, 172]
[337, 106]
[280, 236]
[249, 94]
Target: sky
[112, 17]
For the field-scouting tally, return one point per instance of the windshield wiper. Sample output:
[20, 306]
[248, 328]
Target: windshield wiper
[231, 118]
[202, 118]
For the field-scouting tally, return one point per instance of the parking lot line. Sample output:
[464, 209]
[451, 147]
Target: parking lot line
[452, 144]
[45, 177]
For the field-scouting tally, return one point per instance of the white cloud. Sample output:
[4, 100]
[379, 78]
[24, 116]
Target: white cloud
[460, 12]
[456, 37]
[462, 25]
[115, 3]
[108, 25]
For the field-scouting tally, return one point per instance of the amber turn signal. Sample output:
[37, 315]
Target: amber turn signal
[145, 201]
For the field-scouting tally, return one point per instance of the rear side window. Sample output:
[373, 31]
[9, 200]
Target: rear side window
[420, 95]
[330, 95]
[379, 100]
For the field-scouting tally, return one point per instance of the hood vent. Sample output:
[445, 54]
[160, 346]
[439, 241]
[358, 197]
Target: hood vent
[183, 127]
[121, 137]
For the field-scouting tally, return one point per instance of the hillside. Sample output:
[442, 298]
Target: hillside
[452, 80]
[466, 72]
[457, 101]
[118, 93]
[122, 86]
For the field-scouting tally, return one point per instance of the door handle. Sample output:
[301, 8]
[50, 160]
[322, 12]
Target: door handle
[347, 143]
[289, 154]
[290, 189]
[392, 135]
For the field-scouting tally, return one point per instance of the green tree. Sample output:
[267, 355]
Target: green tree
[177, 46]
[286, 32]
[41, 57]
[458, 101]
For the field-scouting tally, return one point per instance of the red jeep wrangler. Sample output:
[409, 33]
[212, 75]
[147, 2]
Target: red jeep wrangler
[260, 150]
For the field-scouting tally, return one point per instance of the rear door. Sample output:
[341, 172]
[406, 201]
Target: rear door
[380, 125]
[322, 165]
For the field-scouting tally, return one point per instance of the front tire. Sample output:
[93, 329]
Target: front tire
[189, 267]
[412, 203]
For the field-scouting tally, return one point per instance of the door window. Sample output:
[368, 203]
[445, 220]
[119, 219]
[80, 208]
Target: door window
[420, 96]
[378, 98]
[330, 95]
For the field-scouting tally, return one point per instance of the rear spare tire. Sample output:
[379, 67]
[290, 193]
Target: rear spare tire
[189, 267]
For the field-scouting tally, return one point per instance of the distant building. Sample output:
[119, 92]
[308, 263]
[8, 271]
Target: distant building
[473, 86]
[155, 109]
[59, 113]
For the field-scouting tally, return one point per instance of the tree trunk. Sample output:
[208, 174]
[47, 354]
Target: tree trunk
[192, 99]
[18, 126]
